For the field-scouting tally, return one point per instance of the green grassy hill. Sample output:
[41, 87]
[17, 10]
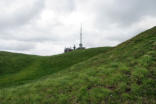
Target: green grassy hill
[16, 69]
[125, 74]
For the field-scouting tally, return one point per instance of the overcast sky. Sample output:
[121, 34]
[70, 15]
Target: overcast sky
[46, 27]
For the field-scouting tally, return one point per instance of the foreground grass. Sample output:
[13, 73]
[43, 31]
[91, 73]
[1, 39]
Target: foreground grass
[107, 78]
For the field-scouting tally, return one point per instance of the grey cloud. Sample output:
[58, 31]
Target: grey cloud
[16, 45]
[125, 12]
[61, 6]
[18, 14]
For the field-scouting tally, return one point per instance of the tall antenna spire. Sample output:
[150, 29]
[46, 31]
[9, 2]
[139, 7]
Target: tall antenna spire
[81, 34]
[81, 45]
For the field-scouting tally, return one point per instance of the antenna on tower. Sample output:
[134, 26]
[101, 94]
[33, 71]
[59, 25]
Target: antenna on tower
[81, 45]
[81, 34]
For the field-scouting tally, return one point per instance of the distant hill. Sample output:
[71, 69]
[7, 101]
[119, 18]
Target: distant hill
[125, 74]
[16, 69]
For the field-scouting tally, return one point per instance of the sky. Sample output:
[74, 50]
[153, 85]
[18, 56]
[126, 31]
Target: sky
[46, 27]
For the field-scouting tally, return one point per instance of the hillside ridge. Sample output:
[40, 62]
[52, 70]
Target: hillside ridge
[17, 68]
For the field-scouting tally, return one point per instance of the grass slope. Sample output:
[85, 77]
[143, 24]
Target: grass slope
[16, 69]
[121, 75]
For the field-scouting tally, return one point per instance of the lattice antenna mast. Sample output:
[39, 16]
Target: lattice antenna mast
[81, 37]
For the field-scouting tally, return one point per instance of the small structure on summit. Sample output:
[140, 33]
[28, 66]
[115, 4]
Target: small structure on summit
[69, 49]
[74, 48]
